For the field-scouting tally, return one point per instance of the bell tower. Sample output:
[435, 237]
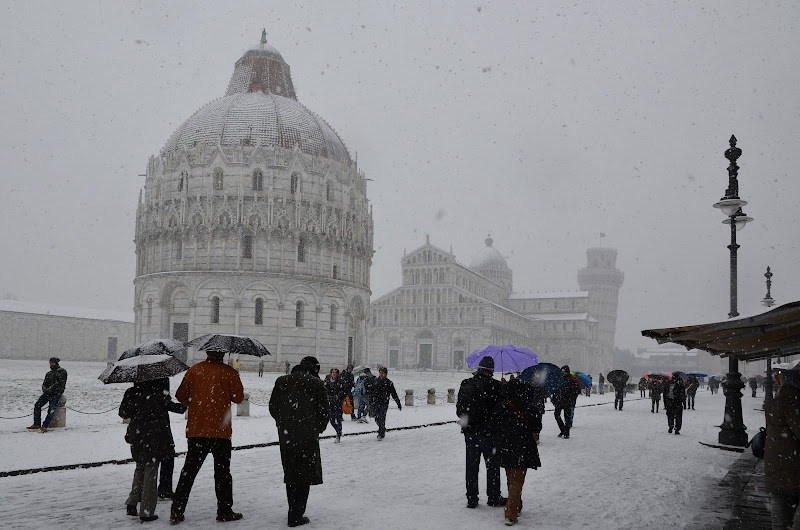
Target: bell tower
[602, 280]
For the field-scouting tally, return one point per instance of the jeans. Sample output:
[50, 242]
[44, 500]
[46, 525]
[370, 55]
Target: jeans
[363, 406]
[602, 388]
[782, 512]
[198, 449]
[297, 498]
[654, 407]
[566, 424]
[690, 401]
[52, 400]
[515, 479]
[477, 445]
[380, 419]
[144, 487]
[336, 419]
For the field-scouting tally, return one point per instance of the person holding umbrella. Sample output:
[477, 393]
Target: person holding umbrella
[564, 400]
[208, 389]
[691, 391]
[674, 392]
[655, 394]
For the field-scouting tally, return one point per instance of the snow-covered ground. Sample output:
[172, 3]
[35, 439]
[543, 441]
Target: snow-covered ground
[617, 470]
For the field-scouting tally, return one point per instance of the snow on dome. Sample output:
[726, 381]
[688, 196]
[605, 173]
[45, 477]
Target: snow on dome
[488, 258]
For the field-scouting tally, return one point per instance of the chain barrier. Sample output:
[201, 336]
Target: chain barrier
[15, 417]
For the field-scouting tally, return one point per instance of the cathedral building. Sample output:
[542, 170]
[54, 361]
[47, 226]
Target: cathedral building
[444, 310]
[255, 221]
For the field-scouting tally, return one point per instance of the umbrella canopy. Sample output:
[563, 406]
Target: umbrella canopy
[786, 366]
[360, 369]
[619, 377]
[659, 375]
[546, 374]
[142, 368]
[233, 344]
[584, 379]
[154, 347]
[697, 374]
[508, 358]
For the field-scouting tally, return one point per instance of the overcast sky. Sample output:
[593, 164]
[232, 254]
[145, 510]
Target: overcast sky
[543, 126]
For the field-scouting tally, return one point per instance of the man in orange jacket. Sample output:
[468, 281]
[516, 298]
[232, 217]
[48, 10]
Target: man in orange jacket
[208, 389]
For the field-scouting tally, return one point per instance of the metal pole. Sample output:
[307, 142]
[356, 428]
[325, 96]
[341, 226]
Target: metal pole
[768, 302]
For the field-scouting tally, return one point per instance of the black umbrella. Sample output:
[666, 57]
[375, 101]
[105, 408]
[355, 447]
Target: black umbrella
[154, 347]
[142, 368]
[617, 377]
[233, 344]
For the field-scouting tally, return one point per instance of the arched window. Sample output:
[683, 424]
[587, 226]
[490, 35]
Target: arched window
[333, 316]
[294, 186]
[149, 311]
[258, 180]
[335, 272]
[298, 314]
[259, 312]
[215, 310]
[183, 181]
[301, 250]
[178, 249]
[218, 179]
[247, 246]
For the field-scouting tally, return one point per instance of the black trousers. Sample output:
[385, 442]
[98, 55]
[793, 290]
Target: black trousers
[198, 449]
[380, 419]
[565, 425]
[619, 396]
[482, 445]
[674, 415]
[165, 476]
[297, 497]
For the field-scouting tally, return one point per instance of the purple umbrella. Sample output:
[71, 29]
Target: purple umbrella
[508, 358]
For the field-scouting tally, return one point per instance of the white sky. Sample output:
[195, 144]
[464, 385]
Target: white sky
[542, 125]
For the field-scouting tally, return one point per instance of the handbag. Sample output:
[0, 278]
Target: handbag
[757, 442]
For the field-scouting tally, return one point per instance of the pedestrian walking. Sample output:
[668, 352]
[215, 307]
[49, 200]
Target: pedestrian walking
[287, 368]
[167, 466]
[619, 393]
[477, 398]
[674, 392]
[564, 400]
[588, 388]
[360, 392]
[55, 381]
[691, 390]
[601, 384]
[300, 408]
[782, 452]
[517, 422]
[207, 389]
[383, 389]
[642, 386]
[753, 382]
[347, 381]
[369, 386]
[147, 404]
[655, 395]
[336, 394]
[261, 368]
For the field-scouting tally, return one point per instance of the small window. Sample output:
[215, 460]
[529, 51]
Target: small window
[295, 184]
[247, 246]
[298, 314]
[183, 181]
[301, 250]
[335, 272]
[259, 312]
[218, 179]
[333, 316]
[215, 310]
[149, 311]
[258, 180]
[328, 191]
[178, 249]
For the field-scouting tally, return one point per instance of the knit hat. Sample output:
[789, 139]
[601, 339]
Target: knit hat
[55, 360]
[311, 364]
[565, 368]
[487, 363]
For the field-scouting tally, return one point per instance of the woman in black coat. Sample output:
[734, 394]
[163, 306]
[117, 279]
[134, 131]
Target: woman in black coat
[147, 405]
[518, 421]
[336, 396]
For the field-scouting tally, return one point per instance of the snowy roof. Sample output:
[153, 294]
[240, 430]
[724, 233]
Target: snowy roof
[562, 294]
[15, 306]
[560, 316]
[669, 348]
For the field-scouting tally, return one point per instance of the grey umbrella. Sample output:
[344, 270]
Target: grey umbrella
[233, 344]
[142, 368]
[154, 347]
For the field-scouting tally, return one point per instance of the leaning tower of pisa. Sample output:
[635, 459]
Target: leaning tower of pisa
[602, 280]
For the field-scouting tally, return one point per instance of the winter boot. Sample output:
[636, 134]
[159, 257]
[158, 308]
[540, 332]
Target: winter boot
[35, 427]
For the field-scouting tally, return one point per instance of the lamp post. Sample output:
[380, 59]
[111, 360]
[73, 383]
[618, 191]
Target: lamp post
[733, 431]
[768, 302]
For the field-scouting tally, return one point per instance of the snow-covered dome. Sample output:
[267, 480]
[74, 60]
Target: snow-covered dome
[260, 107]
[488, 258]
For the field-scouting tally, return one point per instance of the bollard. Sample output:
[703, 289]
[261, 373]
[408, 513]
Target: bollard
[409, 397]
[60, 414]
[243, 408]
[451, 395]
[431, 396]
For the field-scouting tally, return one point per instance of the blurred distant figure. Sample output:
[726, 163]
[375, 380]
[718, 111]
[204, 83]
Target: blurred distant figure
[287, 367]
[691, 390]
[782, 452]
[655, 395]
[601, 382]
[619, 393]
[261, 368]
[347, 381]
[642, 386]
[55, 381]
[674, 393]
[753, 382]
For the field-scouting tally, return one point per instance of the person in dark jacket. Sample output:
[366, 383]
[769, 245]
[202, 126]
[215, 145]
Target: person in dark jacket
[168, 464]
[691, 390]
[655, 394]
[753, 382]
[564, 400]
[540, 395]
[55, 381]
[299, 405]
[348, 381]
[369, 388]
[147, 405]
[782, 452]
[517, 423]
[477, 398]
[382, 390]
[642, 386]
[674, 392]
[333, 386]
[601, 382]
[619, 393]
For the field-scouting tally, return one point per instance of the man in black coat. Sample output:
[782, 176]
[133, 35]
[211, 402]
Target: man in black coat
[477, 398]
[347, 381]
[55, 381]
[299, 404]
[564, 400]
[674, 394]
[382, 389]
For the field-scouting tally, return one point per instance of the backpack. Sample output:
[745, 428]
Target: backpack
[757, 442]
[360, 389]
[471, 404]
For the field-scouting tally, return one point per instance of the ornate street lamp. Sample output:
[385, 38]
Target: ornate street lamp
[733, 430]
[768, 302]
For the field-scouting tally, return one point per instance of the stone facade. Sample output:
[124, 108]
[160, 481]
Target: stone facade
[255, 221]
[444, 310]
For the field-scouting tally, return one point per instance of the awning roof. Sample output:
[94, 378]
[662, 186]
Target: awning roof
[770, 334]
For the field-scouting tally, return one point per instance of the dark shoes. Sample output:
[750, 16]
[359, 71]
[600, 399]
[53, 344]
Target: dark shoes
[175, 518]
[148, 519]
[566, 436]
[301, 522]
[677, 431]
[561, 435]
[131, 510]
[500, 501]
[230, 516]
[670, 430]
[472, 504]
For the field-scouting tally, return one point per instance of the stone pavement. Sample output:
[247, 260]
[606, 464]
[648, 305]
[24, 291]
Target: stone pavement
[740, 501]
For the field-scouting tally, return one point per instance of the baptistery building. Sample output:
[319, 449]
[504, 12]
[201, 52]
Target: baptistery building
[255, 221]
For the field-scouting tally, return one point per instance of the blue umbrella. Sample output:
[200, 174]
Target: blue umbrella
[546, 374]
[697, 374]
[583, 378]
[508, 358]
